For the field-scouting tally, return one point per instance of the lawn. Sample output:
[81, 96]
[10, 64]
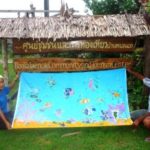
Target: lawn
[105, 138]
[102, 138]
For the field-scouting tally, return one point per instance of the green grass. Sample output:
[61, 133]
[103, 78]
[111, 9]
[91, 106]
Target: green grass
[103, 138]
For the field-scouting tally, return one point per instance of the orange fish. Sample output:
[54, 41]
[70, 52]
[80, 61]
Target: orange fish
[116, 94]
[48, 105]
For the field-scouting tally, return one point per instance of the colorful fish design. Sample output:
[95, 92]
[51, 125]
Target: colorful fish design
[51, 82]
[116, 94]
[89, 111]
[69, 92]
[84, 101]
[58, 112]
[46, 106]
[113, 112]
[91, 84]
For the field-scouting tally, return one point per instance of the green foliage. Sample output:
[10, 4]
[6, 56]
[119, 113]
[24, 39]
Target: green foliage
[137, 96]
[112, 6]
[148, 8]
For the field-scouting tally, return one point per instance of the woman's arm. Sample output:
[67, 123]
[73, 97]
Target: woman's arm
[136, 74]
[140, 119]
[2, 116]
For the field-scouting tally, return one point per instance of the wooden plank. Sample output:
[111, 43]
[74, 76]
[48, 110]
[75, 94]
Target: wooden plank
[68, 64]
[30, 46]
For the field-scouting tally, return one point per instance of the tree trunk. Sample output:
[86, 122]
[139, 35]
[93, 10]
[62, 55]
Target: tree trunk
[5, 60]
[147, 57]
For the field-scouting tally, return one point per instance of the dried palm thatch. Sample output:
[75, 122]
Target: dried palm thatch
[138, 25]
[60, 27]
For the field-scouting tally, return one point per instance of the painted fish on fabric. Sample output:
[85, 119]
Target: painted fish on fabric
[89, 111]
[46, 106]
[84, 101]
[58, 112]
[69, 92]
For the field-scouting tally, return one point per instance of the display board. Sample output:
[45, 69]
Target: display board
[79, 99]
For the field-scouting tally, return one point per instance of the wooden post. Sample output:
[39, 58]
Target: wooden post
[147, 63]
[147, 57]
[5, 60]
[46, 7]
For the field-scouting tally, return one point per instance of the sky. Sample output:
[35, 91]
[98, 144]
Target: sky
[25, 5]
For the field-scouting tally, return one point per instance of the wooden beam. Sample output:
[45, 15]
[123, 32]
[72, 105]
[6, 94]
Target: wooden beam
[5, 60]
[68, 64]
[30, 11]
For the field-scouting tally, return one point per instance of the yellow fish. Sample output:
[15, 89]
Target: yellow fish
[116, 94]
[84, 101]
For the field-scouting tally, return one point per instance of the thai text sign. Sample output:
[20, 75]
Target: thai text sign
[69, 64]
[30, 46]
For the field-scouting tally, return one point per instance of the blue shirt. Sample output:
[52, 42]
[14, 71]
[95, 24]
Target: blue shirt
[3, 99]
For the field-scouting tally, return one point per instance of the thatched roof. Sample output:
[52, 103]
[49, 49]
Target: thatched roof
[58, 27]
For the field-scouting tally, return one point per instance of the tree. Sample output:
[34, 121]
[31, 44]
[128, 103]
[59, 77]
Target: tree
[113, 6]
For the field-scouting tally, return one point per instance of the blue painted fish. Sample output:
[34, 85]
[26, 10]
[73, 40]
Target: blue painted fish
[89, 111]
[69, 92]
[38, 100]
[34, 93]
[51, 82]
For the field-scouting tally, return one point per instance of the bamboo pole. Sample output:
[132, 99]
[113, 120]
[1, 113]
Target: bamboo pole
[5, 60]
